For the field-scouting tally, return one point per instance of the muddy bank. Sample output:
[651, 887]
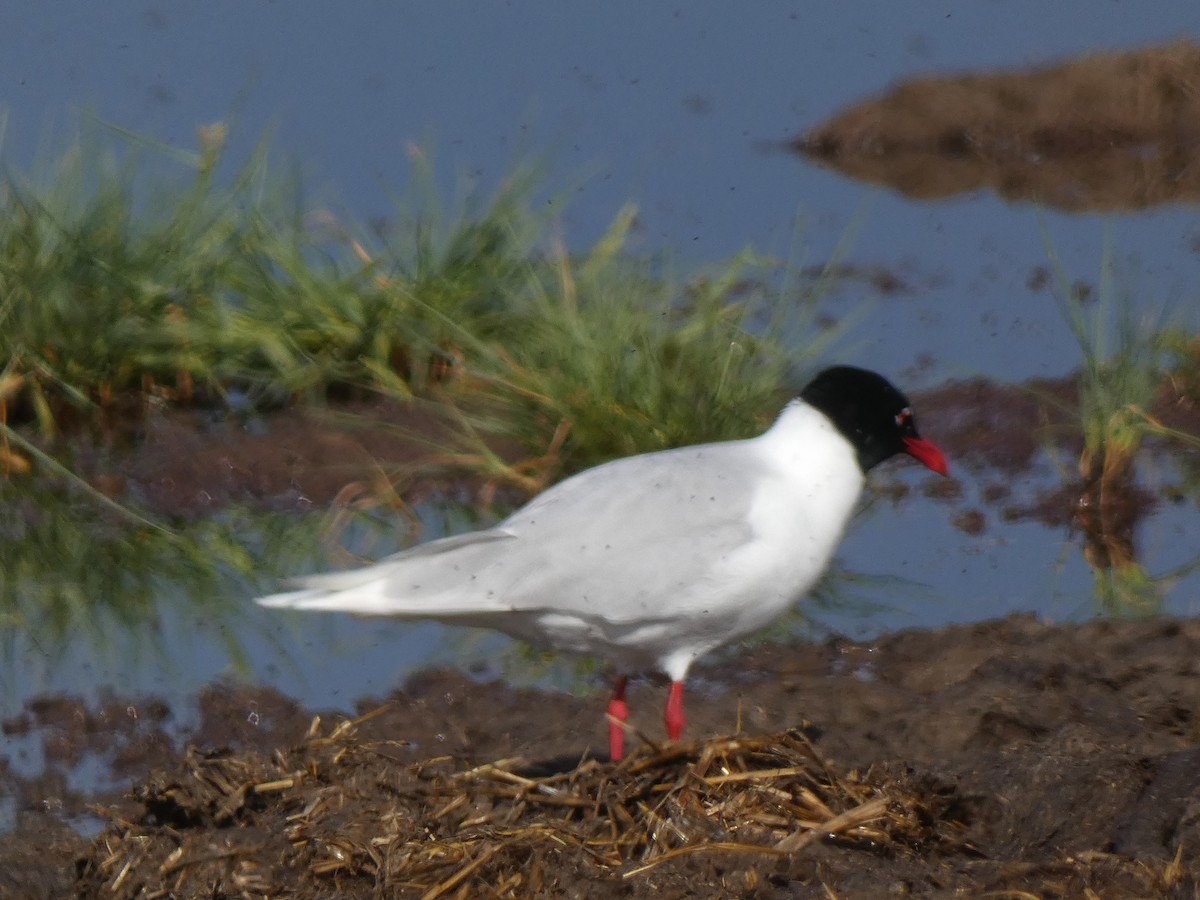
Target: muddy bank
[1105, 131]
[1007, 756]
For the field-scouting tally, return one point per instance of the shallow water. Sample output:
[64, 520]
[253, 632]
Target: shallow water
[904, 563]
[683, 110]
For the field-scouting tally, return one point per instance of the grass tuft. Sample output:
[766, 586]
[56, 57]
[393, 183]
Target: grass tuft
[607, 355]
[1127, 354]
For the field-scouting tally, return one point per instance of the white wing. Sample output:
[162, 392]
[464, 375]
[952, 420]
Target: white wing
[577, 549]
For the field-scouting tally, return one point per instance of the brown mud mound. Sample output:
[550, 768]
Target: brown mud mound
[1008, 758]
[1108, 131]
[340, 813]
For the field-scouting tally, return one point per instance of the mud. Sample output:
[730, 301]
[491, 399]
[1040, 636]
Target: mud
[1105, 131]
[1012, 756]
[191, 463]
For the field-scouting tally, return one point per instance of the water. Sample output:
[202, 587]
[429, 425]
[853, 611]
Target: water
[681, 108]
[907, 564]
[674, 106]
[903, 564]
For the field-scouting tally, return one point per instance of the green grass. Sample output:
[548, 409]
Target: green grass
[1123, 363]
[118, 288]
[97, 286]
[120, 292]
[606, 354]
[1128, 353]
[135, 276]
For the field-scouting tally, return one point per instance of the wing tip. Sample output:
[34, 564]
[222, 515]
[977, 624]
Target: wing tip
[286, 599]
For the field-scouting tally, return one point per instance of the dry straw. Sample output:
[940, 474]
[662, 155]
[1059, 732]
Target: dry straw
[342, 814]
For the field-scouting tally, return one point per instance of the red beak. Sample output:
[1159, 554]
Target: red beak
[927, 453]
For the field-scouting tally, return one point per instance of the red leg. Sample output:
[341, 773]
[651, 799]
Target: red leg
[619, 710]
[674, 717]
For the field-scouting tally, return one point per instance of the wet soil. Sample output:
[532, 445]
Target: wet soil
[1103, 131]
[1009, 758]
[191, 463]
[1000, 758]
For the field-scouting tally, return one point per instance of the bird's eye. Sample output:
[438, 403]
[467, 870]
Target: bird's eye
[904, 417]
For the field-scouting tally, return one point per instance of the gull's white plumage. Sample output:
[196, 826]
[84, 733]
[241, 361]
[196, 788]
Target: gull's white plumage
[653, 560]
[649, 561]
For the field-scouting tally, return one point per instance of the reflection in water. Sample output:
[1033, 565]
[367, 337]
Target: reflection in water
[1109, 508]
[82, 582]
[95, 596]
[1106, 131]
[1111, 511]
[89, 600]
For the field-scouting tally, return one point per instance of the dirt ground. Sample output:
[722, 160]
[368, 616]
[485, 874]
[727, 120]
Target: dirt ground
[1008, 759]
[1013, 758]
[1103, 131]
